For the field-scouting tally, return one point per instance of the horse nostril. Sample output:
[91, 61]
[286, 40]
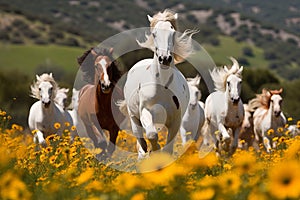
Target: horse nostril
[160, 59]
[170, 59]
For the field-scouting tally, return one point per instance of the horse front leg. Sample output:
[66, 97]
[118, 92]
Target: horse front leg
[151, 132]
[224, 137]
[39, 138]
[172, 132]
[234, 144]
[137, 130]
[113, 134]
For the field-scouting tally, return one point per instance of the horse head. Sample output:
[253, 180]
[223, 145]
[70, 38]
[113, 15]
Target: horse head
[61, 97]
[103, 71]
[163, 36]
[45, 88]
[195, 93]
[234, 81]
[276, 101]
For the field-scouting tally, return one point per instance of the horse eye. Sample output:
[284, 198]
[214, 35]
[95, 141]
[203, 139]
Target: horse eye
[228, 83]
[40, 89]
[172, 27]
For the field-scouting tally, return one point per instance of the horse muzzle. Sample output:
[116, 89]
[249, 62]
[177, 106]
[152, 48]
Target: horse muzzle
[105, 88]
[46, 104]
[165, 60]
[277, 113]
[235, 101]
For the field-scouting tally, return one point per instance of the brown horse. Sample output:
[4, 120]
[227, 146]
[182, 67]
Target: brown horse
[95, 99]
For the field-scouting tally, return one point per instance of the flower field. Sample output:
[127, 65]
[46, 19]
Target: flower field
[68, 170]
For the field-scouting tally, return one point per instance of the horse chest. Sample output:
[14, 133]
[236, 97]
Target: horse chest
[233, 118]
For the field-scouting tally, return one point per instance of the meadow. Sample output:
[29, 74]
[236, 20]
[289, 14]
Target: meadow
[69, 170]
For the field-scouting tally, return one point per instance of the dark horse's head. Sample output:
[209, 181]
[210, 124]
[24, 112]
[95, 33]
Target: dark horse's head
[99, 67]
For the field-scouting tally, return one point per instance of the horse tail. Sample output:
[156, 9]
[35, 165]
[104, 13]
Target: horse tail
[123, 107]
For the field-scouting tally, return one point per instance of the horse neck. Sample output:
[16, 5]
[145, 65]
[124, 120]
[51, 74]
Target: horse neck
[48, 110]
[228, 103]
[160, 76]
[269, 115]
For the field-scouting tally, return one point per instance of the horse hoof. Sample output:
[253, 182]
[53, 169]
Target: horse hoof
[152, 136]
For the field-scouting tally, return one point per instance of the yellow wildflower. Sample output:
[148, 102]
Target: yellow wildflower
[284, 180]
[205, 194]
[229, 182]
[85, 176]
[138, 196]
[270, 132]
[57, 125]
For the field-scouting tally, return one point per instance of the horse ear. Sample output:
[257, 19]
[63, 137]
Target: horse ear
[111, 50]
[226, 69]
[240, 70]
[51, 75]
[37, 77]
[281, 90]
[93, 52]
[197, 79]
[176, 16]
[150, 18]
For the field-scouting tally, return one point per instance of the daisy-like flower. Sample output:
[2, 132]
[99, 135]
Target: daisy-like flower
[230, 183]
[270, 132]
[244, 162]
[284, 180]
[57, 125]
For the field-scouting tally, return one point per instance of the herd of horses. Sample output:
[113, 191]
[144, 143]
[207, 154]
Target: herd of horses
[156, 95]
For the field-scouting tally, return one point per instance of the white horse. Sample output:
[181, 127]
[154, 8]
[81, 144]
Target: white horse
[268, 115]
[224, 109]
[247, 131]
[45, 113]
[156, 93]
[193, 118]
[61, 97]
[73, 108]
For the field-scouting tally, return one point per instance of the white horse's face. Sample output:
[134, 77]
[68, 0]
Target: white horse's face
[46, 91]
[276, 101]
[234, 85]
[163, 34]
[61, 97]
[195, 95]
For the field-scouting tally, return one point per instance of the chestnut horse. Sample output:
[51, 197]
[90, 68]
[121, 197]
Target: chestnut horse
[95, 99]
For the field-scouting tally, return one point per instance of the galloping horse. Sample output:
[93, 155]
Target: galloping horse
[268, 115]
[156, 93]
[193, 118]
[224, 108]
[45, 113]
[95, 100]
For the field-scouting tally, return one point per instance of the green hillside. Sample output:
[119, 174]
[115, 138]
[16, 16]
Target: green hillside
[28, 58]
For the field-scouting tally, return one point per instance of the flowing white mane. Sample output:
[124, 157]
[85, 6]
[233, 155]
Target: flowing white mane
[183, 42]
[35, 93]
[220, 74]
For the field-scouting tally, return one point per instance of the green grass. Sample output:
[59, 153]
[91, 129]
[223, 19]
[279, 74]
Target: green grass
[27, 58]
[229, 47]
